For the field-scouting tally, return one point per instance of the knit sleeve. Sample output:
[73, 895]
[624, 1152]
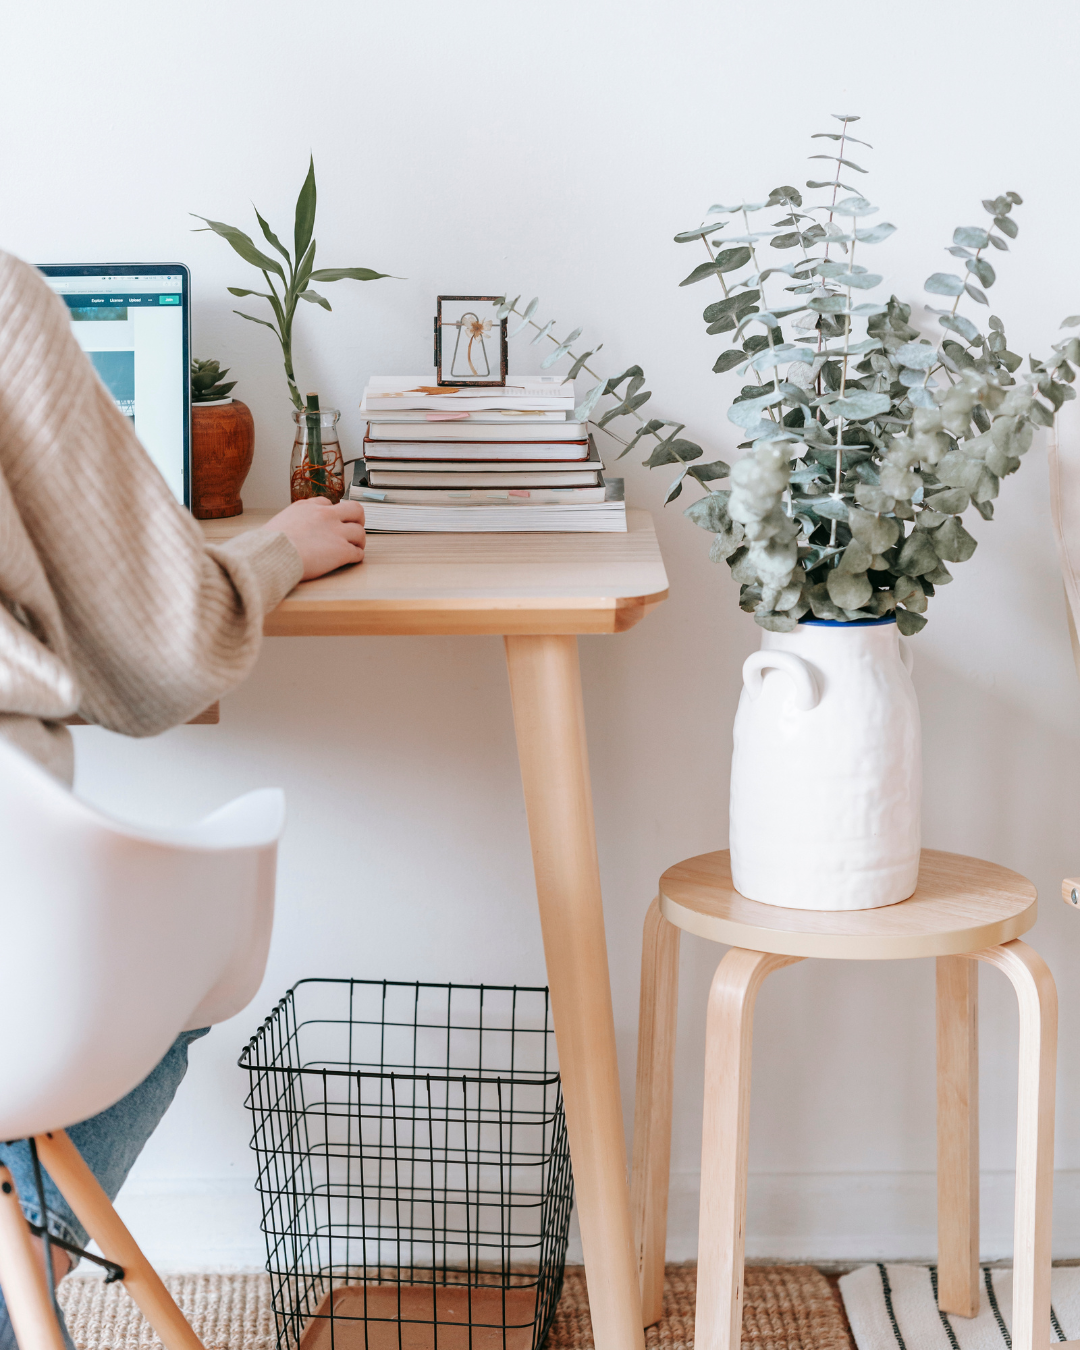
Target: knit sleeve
[156, 624]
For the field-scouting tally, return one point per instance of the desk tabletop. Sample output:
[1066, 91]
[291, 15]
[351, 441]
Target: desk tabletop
[475, 583]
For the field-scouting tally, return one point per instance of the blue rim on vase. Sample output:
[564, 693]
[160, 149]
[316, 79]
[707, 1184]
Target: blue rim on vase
[849, 623]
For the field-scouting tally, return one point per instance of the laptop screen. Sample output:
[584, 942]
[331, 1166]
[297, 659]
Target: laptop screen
[132, 324]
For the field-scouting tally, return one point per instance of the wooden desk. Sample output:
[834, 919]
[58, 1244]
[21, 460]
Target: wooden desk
[539, 592]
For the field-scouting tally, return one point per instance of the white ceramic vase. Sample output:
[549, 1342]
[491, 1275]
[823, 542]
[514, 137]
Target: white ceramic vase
[826, 775]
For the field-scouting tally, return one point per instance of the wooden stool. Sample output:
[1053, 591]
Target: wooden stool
[963, 911]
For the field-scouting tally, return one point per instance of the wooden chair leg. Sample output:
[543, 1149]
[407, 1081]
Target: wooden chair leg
[1037, 999]
[22, 1276]
[94, 1210]
[958, 1135]
[725, 1145]
[651, 1167]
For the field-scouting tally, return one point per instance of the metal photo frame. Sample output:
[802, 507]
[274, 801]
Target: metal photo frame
[470, 342]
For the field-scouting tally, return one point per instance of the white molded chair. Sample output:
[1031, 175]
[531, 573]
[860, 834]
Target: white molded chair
[116, 939]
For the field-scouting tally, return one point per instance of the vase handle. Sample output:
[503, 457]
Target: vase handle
[801, 675]
[907, 655]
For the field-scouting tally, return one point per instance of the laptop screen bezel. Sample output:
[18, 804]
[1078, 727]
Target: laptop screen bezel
[149, 269]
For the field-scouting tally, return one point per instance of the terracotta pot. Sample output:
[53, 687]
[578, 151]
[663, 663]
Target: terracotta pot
[222, 444]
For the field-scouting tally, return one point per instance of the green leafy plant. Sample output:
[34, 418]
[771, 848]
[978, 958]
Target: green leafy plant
[293, 281]
[206, 382]
[866, 447]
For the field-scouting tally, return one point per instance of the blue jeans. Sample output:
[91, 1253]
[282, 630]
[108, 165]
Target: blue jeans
[109, 1142]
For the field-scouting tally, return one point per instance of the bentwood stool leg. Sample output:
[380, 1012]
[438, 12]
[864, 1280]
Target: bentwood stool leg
[725, 1145]
[22, 1276]
[549, 720]
[958, 1135]
[1037, 999]
[650, 1169]
[94, 1210]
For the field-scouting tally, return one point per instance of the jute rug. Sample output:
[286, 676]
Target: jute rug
[785, 1308]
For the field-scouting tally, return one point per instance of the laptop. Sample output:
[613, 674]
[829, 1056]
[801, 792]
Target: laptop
[133, 321]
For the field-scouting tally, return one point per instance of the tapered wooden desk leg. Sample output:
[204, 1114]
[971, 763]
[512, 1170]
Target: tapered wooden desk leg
[725, 1141]
[22, 1276]
[94, 1210]
[549, 719]
[651, 1166]
[958, 1135]
[1036, 996]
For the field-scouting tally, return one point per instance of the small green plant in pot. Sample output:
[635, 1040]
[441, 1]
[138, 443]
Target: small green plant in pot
[288, 282]
[222, 443]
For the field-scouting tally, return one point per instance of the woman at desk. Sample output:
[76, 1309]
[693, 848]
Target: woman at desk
[112, 606]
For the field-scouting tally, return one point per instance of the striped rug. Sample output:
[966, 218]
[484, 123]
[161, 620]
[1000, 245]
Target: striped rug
[895, 1308]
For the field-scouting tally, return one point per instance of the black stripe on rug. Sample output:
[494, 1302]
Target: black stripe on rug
[886, 1290]
[1056, 1324]
[944, 1316]
[988, 1282]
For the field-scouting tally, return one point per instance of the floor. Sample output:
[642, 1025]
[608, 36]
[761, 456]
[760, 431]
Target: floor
[785, 1308]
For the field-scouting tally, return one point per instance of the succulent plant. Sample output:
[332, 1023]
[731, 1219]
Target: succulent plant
[206, 386]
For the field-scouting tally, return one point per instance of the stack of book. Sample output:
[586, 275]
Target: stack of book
[507, 458]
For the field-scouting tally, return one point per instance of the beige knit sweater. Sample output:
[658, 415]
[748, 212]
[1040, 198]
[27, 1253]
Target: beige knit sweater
[111, 605]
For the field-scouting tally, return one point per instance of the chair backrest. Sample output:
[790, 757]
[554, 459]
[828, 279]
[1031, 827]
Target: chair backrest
[114, 939]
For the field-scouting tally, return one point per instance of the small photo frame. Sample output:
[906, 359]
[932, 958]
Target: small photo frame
[470, 341]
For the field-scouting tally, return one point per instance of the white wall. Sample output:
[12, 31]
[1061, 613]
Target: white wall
[556, 148]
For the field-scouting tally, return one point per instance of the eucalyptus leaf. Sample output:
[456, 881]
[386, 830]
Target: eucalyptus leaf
[918, 554]
[576, 369]
[847, 163]
[860, 404]
[848, 591]
[588, 403]
[854, 206]
[715, 469]
[828, 304]
[908, 623]
[542, 333]
[980, 268]
[1006, 226]
[561, 350]
[530, 310]
[952, 542]
[710, 512]
[915, 356]
[734, 356]
[976, 294]
[748, 412]
[731, 259]
[700, 272]
[700, 233]
[957, 323]
[863, 281]
[973, 236]
[944, 283]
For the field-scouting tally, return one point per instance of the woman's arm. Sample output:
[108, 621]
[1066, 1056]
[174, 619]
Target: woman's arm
[151, 622]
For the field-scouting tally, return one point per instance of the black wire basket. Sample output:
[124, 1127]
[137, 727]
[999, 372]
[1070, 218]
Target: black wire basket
[413, 1165]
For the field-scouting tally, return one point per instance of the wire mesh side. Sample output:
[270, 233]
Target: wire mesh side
[410, 1138]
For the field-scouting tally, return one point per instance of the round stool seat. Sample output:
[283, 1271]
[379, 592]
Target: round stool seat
[960, 905]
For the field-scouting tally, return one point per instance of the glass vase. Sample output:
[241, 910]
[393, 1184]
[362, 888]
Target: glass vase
[317, 468]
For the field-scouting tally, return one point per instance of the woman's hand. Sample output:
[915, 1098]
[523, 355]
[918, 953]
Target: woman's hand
[325, 536]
